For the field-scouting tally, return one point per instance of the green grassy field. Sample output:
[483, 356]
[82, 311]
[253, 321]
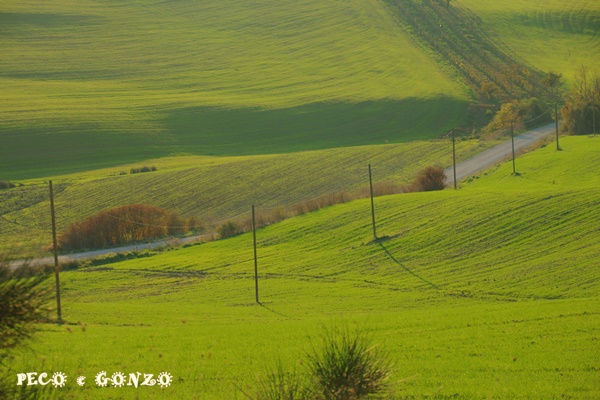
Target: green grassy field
[486, 292]
[551, 35]
[212, 188]
[89, 85]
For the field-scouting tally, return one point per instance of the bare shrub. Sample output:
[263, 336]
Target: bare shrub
[321, 202]
[381, 189]
[130, 223]
[430, 178]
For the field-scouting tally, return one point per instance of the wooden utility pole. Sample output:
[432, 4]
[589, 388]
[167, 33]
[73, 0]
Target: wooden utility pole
[454, 157]
[594, 106]
[255, 255]
[512, 137]
[55, 245]
[556, 123]
[372, 204]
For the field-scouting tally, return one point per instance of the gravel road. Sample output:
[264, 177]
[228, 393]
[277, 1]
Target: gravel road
[496, 154]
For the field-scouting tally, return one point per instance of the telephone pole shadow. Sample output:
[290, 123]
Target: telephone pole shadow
[390, 255]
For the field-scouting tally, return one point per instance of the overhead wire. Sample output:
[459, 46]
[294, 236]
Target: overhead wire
[24, 225]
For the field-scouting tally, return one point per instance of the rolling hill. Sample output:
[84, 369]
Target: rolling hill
[554, 35]
[89, 85]
[212, 189]
[486, 292]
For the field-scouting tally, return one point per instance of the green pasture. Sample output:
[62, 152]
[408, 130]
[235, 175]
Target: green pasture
[555, 35]
[546, 168]
[212, 188]
[89, 85]
[486, 292]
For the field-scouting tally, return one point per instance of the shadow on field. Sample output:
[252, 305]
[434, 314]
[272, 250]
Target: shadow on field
[390, 255]
[273, 311]
[250, 131]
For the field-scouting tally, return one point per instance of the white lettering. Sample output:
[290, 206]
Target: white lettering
[134, 379]
[148, 381]
[20, 379]
[42, 376]
[31, 378]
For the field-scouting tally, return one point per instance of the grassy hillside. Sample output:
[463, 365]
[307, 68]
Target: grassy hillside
[547, 169]
[89, 85]
[477, 293]
[548, 35]
[212, 188]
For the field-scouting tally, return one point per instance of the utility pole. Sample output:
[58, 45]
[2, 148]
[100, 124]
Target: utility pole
[55, 245]
[255, 256]
[454, 157]
[512, 137]
[594, 106]
[556, 121]
[372, 204]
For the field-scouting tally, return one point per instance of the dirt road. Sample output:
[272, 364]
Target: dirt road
[496, 154]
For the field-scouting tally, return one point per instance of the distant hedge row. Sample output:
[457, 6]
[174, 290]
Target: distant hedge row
[6, 185]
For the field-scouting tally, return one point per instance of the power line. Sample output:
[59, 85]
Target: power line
[23, 225]
[539, 116]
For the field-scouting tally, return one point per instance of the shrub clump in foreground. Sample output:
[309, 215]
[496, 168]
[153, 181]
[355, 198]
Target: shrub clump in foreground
[23, 299]
[345, 366]
[120, 225]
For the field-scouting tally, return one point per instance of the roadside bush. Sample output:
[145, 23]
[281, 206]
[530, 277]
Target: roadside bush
[194, 224]
[429, 179]
[322, 202]
[228, 229]
[381, 189]
[120, 225]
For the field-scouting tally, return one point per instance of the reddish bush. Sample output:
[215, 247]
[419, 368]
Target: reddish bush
[130, 223]
[429, 179]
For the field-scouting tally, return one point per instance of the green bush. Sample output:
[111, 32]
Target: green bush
[23, 298]
[347, 366]
[145, 168]
[6, 185]
[344, 366]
